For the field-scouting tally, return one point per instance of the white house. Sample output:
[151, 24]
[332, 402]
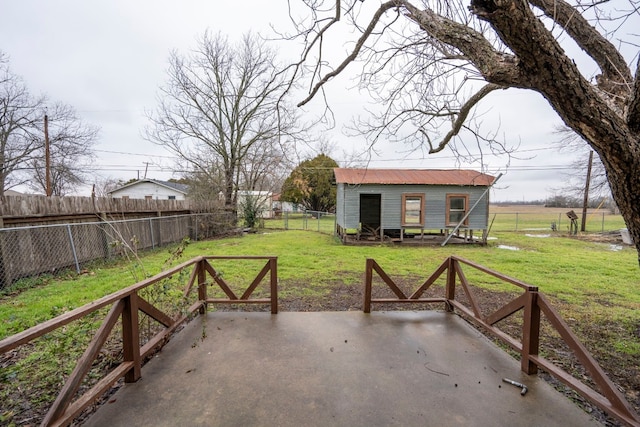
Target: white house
[151, 189]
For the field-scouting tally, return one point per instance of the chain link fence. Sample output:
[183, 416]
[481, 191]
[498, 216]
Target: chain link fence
[322, 222]
[325, 222]
[596, 222]
[35, 250]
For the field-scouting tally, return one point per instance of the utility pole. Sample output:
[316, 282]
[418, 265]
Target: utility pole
[146, 167]
[585, 203]
[47, 156]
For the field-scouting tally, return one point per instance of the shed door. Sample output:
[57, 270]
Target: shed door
[370, 211]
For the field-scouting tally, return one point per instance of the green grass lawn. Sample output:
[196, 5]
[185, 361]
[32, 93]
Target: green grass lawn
[572, 271]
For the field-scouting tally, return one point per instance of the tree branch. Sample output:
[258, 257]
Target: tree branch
[462, 117]
[495, 66]
[363, 38]
[616, 77]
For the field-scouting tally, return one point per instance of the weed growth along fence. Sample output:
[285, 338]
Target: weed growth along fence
[30, 251]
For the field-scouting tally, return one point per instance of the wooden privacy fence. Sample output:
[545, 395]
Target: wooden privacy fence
[532, 304]
[125, 307]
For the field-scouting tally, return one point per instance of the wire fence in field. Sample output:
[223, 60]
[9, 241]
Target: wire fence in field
[523, 221]
[322, 222]
[35, 250]
[325, 222]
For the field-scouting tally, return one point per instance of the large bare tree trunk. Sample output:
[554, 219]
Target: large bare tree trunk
[596, 112]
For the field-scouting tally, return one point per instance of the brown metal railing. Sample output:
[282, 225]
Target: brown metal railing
[533, 304]
[125, 306]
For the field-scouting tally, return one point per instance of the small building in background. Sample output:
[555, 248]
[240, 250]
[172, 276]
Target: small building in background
[263, 200]
[280, 206]
[395, 204]
[151, 189]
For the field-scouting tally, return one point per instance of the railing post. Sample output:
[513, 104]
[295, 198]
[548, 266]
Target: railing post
[451, 283]
[368, 278]
[273, 267]
[202, 286]
[131, 337]
[530, 333]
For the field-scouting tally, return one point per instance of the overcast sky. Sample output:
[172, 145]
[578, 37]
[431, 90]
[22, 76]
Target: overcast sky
[108, 58]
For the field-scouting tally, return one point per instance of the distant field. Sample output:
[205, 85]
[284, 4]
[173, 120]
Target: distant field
[527, 217]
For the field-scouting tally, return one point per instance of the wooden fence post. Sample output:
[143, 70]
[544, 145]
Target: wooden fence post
[273, 266]
[368, 278]
[131, 337]
[530, 333]
[202, 286]
[451, 283]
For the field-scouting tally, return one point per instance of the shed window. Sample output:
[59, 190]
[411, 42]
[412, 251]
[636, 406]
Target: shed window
[412, 209]
[457, 205]
[172, 197]
[148, 197]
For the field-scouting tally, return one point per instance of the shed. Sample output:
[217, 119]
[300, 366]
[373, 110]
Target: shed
[151, 189]
[379, 204]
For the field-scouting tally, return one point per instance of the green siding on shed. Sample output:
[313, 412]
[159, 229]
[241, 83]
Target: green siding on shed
[348, 204]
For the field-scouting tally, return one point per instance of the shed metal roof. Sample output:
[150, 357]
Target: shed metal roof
[413, 176]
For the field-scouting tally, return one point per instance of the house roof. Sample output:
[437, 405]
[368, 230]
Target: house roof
[182, 188]
[413, 176]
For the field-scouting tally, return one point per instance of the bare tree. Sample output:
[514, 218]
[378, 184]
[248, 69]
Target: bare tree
[21, 115]
[70, 145]
[572, 144]
[222, 105]
[206, 181]
[103, 186]
[265, 168]
[445, 57]
[22, 143]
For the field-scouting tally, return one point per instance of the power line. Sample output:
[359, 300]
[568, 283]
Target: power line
[134, 154]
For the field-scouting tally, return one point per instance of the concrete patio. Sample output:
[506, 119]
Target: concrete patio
[420, 368]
